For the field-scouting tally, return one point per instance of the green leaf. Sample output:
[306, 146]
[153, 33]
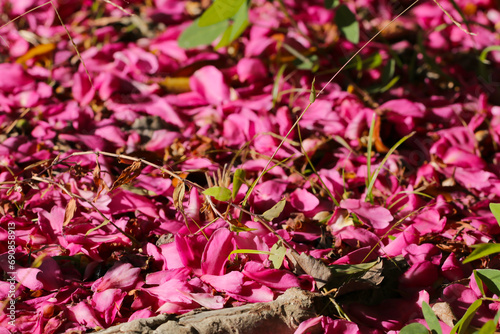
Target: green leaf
[301, 62]
[497, 317]
[275, 211]
[238, 180]
[431, 319]
[237, 229]
[488, 328]
[277, 255]
[388, 71]
[219, 11]
[219, 193]
[369, 196]
[490, 278]
[240, 23]
[479, 282]
[247, 251]
[482, 250]
[104, 223]
[414, 328]
[194, 35]
[462, 324]
[347, 23]
[331, 4]
[311, 63]
[312, 96]
[225, 39]
[495, 209]
[276, 86]
[483, 71]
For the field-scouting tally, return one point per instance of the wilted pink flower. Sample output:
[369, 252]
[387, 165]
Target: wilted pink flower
[120, 276]
[374, 215]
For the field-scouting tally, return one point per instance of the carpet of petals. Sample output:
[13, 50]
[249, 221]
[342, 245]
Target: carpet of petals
[110, 256]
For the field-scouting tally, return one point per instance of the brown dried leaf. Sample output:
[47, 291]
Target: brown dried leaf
[176, 85]
[69, 213]
[42, 50]
[128, 174]
[444, 313]
[179, 193]
[99, 182]
[314, 267]
[379, 145]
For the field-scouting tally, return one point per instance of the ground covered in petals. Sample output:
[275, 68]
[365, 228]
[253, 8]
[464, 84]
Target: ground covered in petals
[131, 171]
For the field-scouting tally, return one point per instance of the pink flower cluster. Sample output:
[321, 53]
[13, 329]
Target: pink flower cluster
[131, 253]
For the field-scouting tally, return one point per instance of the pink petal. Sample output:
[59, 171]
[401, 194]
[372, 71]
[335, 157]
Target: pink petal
[215, 255]
[339, 326]
[125, 201]
[253, 292]
[395, 247]
[303, 200]
[171, 291]
[141, 314]
[457, 157]
[405, 108]
[190, 250]
[429, 222]
[251, 70]
[120, 276]
[423, 274]
[83, 92]
[84, 315]
[452, 268]
[273, 278]
[305, 325]
[108, 303]
[13, 77]
[209, 83]
[231, 282]
[377, 216]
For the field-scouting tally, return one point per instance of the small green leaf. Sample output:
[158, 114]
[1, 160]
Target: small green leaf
[247, 251]
[219, 11]
[482, 250]
[414, 328]
[483, 71]
[240, 21]
[331, 4]
[194, 35]
[224, 40]
[276, 85]
[347, 23]
[238, 180]
[104, 223]
[388, 71]
[497, 317]
[488, 328]
[237, 229]
[277, 255]
[495, 209]
[479, 282]
[462, 324]
[312, 96]
[431, 319]
[490, 278]
[219, 193]
[275, 211]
